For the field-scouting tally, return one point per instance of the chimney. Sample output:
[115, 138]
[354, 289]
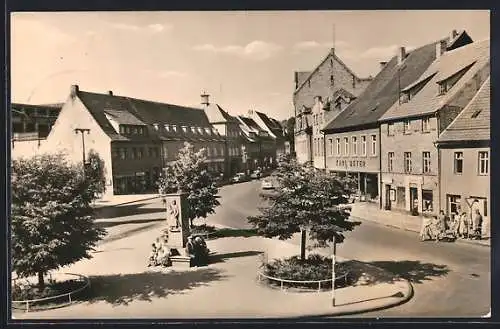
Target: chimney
[382, 65]
[205, 99]
[401, 54]
[74, 90]
[440, 48]
[110, 92]
[454, 34]
[250, 113]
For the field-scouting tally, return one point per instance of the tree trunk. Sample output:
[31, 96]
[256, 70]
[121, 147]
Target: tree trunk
[303, 244]
[41, 282]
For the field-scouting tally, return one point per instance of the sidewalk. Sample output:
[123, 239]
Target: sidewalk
[371, 212]
[122, 286]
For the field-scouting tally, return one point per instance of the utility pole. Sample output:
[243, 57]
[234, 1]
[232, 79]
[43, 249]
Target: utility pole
[334, 253]
[82, 131]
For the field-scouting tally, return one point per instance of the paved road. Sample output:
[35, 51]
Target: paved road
[449, 279]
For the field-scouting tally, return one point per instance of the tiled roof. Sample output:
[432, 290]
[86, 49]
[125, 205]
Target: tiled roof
[342, 93]
[381, 94]
[427, 100]
[216, 114]
[473, 123]
[272, 124]
[248, 125]
[148, 112]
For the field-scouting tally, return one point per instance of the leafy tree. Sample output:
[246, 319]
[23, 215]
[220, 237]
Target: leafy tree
[52, 224]
[95, 172]
[306, 199]
[189, 174]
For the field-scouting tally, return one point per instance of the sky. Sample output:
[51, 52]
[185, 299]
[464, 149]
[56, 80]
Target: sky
[243, 60]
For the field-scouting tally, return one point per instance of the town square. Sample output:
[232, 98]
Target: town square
[259, 172]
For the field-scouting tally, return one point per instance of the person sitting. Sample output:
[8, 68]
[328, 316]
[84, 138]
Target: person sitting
[201, 251]
[190, 250]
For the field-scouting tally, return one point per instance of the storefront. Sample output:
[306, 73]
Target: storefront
[136, 183]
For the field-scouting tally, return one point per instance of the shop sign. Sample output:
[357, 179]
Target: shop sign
[351, 163]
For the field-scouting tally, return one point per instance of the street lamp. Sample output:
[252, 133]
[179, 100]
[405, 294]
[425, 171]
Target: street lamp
[334, 252]
[82, 131]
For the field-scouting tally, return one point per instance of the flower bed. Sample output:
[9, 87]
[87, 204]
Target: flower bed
[59, 291]
[315, 272]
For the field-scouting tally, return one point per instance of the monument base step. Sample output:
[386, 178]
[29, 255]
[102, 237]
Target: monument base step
[181, 261]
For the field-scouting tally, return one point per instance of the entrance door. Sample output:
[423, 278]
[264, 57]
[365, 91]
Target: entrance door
[413, 200]
[387, 197]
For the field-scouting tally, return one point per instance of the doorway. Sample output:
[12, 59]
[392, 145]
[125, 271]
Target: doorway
[387, 197]
[414, 200]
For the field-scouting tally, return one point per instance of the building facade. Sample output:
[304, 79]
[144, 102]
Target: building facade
[409, 130]
[229, 128]
[259, 145]
[464, 153]
[136, 138]
[318, 96]
[354, 136]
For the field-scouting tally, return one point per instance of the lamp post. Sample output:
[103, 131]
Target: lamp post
[334, 252]
[82, 131]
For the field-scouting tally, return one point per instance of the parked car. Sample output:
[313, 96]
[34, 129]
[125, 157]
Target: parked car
[239, 177]
[256, 174]
[267, 184]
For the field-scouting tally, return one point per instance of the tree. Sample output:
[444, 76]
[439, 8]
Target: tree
[95, 171]
[189, 174]
[52, 224]
[306, 199]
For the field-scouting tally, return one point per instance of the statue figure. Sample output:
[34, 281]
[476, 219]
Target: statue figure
[173, 216]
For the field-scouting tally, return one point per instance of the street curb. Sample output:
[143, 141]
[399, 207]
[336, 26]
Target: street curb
[125, 203]
[407, 295]
[416, 231]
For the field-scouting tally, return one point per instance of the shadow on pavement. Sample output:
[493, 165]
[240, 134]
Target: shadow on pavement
[219, 258]
[106, 224]
[124, 289]
[391, 271]
[127, 210]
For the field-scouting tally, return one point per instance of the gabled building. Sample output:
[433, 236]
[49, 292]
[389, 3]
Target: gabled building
[135, 138]
[464, 160]
[274, 130]
[319, 96]
[228, 127]
[259, 145]
[353, 137]
[411, 127]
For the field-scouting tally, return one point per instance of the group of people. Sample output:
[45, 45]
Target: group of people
[197, 249]
[445, 228]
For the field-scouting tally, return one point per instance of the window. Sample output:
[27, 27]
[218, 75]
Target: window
[155, 126]
[442, 88]
[427, 201]
[408, 162]
[134, 131]
[114, 153]
[133, 154]
[426, 165]
[184, 129]
[374, 144]
[337, 145]
[140, 153]
[404, 97]
[346, 146]
[222, 151]
[390, 161]
[354, 141]
[407, 127]
[322, 146]
[390, 129]
[483, 163]
[122, 130]
[475, 114]
[330, 143]
[123, 153]
[458, 162]
[454, 204]
[426, 126]
[363, 145]
[174, 127]
[332, 81]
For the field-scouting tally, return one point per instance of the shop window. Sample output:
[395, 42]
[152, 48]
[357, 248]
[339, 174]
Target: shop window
[427, 201]
[458, 162]
[400, 197]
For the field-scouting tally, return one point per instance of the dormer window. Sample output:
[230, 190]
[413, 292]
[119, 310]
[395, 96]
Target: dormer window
[174, 128]
[214, 131]
[167, 127]
[122, 129]
[184, 129]
[443, 88]
[155, 126]
[207, 131]
[193, 130]
[405, 97]
[200, 130]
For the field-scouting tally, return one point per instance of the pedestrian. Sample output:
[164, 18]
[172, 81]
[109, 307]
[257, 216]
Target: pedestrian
[426, 232]
[190, 250]
[464, 225]
[477, 222]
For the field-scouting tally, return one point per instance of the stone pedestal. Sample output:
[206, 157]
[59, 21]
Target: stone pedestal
[177, 223]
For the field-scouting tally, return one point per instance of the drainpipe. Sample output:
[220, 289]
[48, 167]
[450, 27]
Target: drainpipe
[439, 162]
[379, 178]
[324, 149]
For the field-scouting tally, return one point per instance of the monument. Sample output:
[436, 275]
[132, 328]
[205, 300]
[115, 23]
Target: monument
[177, 228]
